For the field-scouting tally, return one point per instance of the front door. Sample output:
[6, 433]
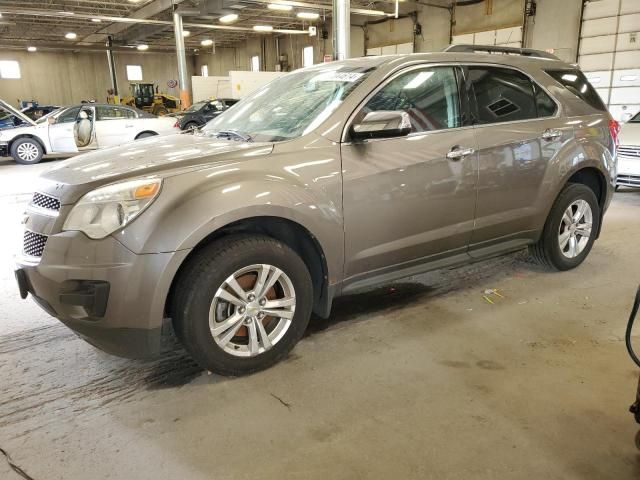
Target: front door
[411, 199]
[61, 132]
[85, 129]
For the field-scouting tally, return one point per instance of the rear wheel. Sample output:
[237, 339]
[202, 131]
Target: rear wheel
[160, 111]
[27, 151]
[191, 126]
[570, 229]
[242, 303]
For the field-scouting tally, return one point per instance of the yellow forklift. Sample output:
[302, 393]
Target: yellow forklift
[145, 96]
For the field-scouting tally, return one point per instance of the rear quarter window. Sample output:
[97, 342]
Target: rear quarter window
[577, 83]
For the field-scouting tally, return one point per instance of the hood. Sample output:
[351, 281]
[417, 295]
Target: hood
[8, 108]
[167, 156]
[630, 134]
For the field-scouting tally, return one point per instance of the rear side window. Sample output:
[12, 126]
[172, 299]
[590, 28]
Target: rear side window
[502, 95]
[577, 83]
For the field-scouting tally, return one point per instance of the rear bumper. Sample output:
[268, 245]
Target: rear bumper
[108, 295]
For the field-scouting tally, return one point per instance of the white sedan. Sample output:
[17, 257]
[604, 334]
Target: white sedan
[76, 129]
[629, 154]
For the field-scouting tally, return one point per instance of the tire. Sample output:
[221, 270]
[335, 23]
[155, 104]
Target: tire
[197, 307]
[27, 151]
[548, 251]
[191, 126]
[146, 135]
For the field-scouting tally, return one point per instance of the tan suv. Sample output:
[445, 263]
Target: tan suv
[327, 180]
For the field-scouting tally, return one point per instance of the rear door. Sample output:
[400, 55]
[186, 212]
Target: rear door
[61, 133]
[115, 125]
[518, 133]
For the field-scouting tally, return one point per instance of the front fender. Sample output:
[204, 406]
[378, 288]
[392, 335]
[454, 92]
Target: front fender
[194, 205]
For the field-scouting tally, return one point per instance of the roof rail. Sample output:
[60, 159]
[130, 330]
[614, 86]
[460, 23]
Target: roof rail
[527, 52]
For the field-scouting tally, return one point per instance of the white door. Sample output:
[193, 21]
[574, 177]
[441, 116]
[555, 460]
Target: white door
[61, 134]
[115, 125]
[610, 53]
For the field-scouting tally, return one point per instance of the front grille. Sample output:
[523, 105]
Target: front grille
[628, 180]
[45, 201]
[629, 151]
[33, 243]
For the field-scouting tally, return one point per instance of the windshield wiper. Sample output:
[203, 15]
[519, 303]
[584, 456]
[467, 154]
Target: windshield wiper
[232, 134]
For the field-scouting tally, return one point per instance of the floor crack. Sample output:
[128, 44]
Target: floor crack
[15, 467]
[288, 405]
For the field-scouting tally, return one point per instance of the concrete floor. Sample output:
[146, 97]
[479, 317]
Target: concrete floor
[420, 379]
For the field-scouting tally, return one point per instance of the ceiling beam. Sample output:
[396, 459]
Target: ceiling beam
[132, 21]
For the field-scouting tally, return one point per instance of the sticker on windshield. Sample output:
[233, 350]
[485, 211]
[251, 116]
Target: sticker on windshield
[335, 76]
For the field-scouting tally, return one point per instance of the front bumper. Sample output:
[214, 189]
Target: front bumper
[628, 172]
[110, 296]
[4, 149]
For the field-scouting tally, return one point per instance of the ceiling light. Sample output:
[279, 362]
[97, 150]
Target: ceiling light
[186, 33]
[308, 15]
[232, 17]
[0, 15]
[32, 49]
[71, 36]
[206, 42]
[96, 20]
[628, 78]
[263, 28]
[280, 7]
[143, 47]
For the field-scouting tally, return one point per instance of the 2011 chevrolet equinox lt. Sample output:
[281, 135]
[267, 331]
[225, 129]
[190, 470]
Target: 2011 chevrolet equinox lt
[327, 180]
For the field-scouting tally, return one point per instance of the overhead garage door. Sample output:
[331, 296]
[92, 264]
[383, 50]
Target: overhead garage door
[504, 37]
[609, 53]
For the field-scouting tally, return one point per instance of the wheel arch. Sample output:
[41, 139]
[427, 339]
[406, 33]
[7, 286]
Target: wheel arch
[151, 132]
[287, 231]
[28, 135]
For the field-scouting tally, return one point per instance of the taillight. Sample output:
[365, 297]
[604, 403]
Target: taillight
[177, 124]
[614, 129]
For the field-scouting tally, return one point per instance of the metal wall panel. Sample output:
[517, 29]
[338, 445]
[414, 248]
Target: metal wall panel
[610, 53]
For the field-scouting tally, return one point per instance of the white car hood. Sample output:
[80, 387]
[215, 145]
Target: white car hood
[5, 106]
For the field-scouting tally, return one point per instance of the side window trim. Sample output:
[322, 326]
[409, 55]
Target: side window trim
[455, 66]
[535, 85]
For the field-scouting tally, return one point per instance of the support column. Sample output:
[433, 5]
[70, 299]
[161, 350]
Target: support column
[341, 26]
[183, 77]
[112, 70]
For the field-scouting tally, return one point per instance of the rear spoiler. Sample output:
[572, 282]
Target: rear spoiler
[526, 52]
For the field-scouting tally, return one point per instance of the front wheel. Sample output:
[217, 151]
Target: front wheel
[570, 229]
[242, 303]
[27, 151]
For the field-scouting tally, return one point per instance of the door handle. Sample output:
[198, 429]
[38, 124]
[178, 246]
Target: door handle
[551, 134]
[128, 126]
[457, 153]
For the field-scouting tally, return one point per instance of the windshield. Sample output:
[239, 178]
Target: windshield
[635, 118]
[196, 106]
[290, 106]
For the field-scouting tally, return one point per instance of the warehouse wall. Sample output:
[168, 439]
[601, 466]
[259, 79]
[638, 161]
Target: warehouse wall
[502, 14]
[66, 77]
[556, 25]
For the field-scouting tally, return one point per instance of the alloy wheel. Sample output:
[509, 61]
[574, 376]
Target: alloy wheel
[27, 152]
[575, 228]
[252, 310]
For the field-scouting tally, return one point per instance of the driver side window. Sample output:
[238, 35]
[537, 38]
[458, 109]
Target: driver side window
[69, 115]
[428, 95]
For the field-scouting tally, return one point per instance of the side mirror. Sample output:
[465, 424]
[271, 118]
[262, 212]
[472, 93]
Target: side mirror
[51, 120]
[382, 124]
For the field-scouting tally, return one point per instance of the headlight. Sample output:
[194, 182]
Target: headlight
[107, 209]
